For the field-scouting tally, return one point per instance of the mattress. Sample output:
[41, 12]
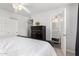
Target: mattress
[19, 46]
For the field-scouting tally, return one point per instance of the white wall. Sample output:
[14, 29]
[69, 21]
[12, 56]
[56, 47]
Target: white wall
[71, 27]
[23, 27]
[12, 24]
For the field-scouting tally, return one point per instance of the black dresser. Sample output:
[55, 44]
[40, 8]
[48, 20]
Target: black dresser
[38, 32]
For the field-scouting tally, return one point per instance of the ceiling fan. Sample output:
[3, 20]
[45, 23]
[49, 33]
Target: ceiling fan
[20, 7]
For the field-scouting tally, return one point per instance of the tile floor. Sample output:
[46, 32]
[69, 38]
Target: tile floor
[70, 54]
[59, 51]
[57, 48]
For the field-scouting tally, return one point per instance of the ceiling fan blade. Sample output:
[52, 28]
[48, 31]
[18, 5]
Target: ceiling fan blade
[26, 9]
[15, 7]
[19, 7]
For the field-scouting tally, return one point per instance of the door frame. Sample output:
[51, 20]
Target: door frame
[54, 14]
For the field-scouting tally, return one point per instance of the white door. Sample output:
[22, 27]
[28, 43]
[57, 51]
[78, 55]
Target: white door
[11, 26]
[63, 34]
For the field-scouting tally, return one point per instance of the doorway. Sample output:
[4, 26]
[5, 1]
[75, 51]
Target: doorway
[58, 31]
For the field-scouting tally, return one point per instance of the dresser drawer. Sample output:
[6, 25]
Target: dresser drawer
[38, 32]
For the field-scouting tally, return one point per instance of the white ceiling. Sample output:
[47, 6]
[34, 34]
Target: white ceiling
[33, 7]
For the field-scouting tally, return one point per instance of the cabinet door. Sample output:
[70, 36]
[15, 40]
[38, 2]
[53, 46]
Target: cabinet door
[2, 23]
[8, 26]
[11, 26]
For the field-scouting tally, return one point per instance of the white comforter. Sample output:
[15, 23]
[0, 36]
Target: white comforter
[18, 46]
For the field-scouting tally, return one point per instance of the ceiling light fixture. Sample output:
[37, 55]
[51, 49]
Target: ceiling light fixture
[57, 18]
[19, 7]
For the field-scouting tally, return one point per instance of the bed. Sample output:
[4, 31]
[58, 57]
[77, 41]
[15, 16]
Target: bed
[19, 46]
